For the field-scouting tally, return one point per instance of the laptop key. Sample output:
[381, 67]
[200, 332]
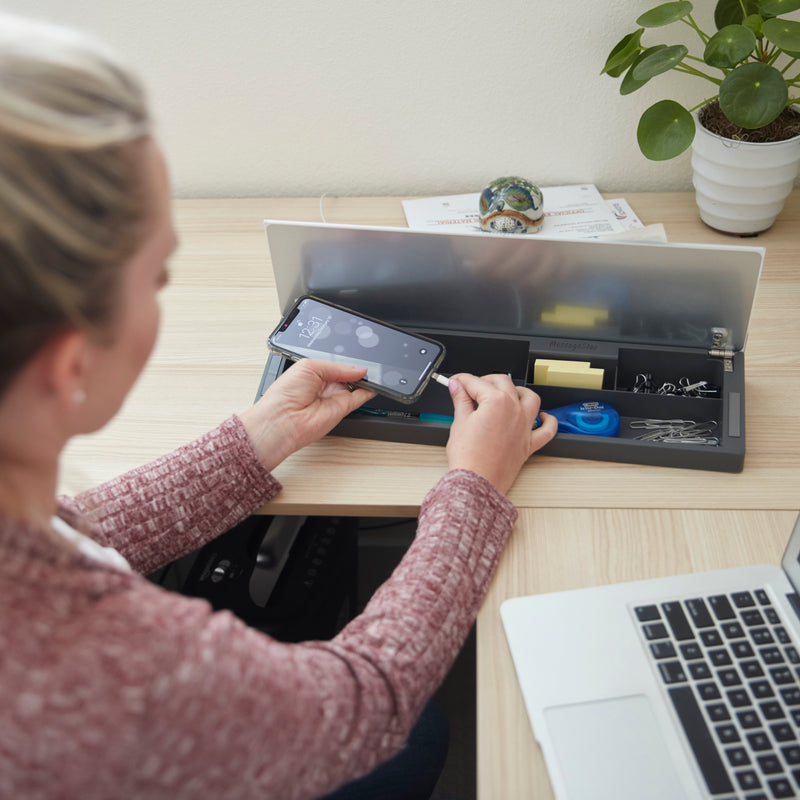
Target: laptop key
[780, 787]
[718, 712]
[672, 672]
[720, 657]
[647, 613]
[751, 669]
[771, 655]
[791, 753]
[791, 696]
[732, 630]
[772, 616]
[727, 734]
[699, 670]
[677, 620]
[748, 779]
[752, 617]
[743, 599]
[742, 649]
[759, 741]
[691, 651]
[762, 689]
[702, 743]
[772, 710]
[781, 635]
[729, 677]
[739, 698]
[711, 638]
[782, 675]
[761, 636]
[770, 765]
[782, 732]
[748, 719]
[708, 691]
[663, 650]
[762, 597]
[655, 630]
[737, 756]
[721, 607]
[699, 613]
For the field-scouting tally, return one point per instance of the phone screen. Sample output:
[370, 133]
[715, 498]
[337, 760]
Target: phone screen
[397, 362]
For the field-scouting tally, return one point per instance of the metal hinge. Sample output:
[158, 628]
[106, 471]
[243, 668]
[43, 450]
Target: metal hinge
[719, 340]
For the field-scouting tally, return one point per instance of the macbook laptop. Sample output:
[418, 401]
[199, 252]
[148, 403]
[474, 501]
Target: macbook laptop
[682, 687]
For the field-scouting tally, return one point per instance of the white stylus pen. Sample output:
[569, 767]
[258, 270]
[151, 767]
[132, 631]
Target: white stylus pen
[440, 379]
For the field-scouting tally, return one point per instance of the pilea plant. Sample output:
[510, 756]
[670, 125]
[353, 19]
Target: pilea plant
[751, 59]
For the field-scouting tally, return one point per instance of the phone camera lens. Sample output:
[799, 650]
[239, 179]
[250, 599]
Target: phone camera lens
[423, 350]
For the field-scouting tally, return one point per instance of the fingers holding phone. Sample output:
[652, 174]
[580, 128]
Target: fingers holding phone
[398, 363]
[301, 406]
[492, 426]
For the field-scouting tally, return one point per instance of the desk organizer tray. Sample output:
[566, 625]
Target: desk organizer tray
[655, 318]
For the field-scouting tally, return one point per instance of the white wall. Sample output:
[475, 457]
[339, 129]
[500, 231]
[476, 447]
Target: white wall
[260, 97]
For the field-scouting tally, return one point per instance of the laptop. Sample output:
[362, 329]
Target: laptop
[670, 688]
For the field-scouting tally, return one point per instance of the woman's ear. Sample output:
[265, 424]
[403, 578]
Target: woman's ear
[65, 368]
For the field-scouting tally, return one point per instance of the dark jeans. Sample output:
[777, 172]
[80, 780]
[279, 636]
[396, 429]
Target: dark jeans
[411, 774]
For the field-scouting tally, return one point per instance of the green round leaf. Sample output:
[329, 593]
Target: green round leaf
[664, 14]
[774, 8]
[726, 48]
[665, 130]
[752, 95]
[755, 22]
[662, 60]
[629, 83]
[785, 33]
[729, 12]
[623, 54]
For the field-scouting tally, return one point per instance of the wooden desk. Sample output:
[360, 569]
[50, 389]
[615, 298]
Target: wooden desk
[581, 523]
[221, 305]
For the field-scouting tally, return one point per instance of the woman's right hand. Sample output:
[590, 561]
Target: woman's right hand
[492, 432]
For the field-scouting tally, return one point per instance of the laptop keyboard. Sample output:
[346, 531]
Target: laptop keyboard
[732, 673]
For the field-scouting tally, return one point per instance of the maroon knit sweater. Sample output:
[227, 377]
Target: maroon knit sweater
[111, 687]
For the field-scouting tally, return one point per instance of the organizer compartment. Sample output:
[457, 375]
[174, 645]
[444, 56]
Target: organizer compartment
[486, 353]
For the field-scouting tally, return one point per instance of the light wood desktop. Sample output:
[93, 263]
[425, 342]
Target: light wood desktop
[581, 522]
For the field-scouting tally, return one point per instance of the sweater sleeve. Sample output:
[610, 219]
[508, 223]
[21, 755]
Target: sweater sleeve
[162, 510]
[188, 702]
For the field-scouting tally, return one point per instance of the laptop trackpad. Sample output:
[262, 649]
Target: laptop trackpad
[612, 749]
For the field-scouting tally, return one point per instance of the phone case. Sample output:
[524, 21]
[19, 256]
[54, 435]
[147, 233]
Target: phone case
[406, 399]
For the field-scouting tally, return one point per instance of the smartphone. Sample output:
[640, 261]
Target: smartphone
[399, 364]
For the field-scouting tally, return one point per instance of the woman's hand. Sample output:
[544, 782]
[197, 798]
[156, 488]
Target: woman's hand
[301, 406]
[495, 438]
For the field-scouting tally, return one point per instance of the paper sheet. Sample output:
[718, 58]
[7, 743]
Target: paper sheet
[577, 211]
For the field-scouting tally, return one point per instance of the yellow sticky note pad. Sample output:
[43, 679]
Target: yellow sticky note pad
[542, 366]
[575, 316]
[577, 374]
[586, 379]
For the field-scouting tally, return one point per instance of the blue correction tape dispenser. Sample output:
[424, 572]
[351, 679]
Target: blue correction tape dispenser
[590, 419]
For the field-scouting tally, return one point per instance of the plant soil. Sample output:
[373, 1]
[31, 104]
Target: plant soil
[786, 126]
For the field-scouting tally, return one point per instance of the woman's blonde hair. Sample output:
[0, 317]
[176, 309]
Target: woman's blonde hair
[72, 205]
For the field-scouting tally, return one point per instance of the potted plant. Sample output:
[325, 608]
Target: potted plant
[751, 61]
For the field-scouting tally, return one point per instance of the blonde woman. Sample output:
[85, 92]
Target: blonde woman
[109, 685]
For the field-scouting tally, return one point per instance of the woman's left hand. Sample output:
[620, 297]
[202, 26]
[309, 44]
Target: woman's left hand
[301, 406]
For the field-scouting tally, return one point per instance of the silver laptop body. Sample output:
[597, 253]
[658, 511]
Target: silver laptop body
[618, 682]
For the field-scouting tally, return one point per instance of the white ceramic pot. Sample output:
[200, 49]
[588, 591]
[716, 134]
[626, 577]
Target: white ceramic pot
[741, 186]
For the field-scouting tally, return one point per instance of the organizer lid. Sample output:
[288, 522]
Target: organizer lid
[681, 295]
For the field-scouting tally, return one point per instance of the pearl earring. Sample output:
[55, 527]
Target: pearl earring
[79, 397]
